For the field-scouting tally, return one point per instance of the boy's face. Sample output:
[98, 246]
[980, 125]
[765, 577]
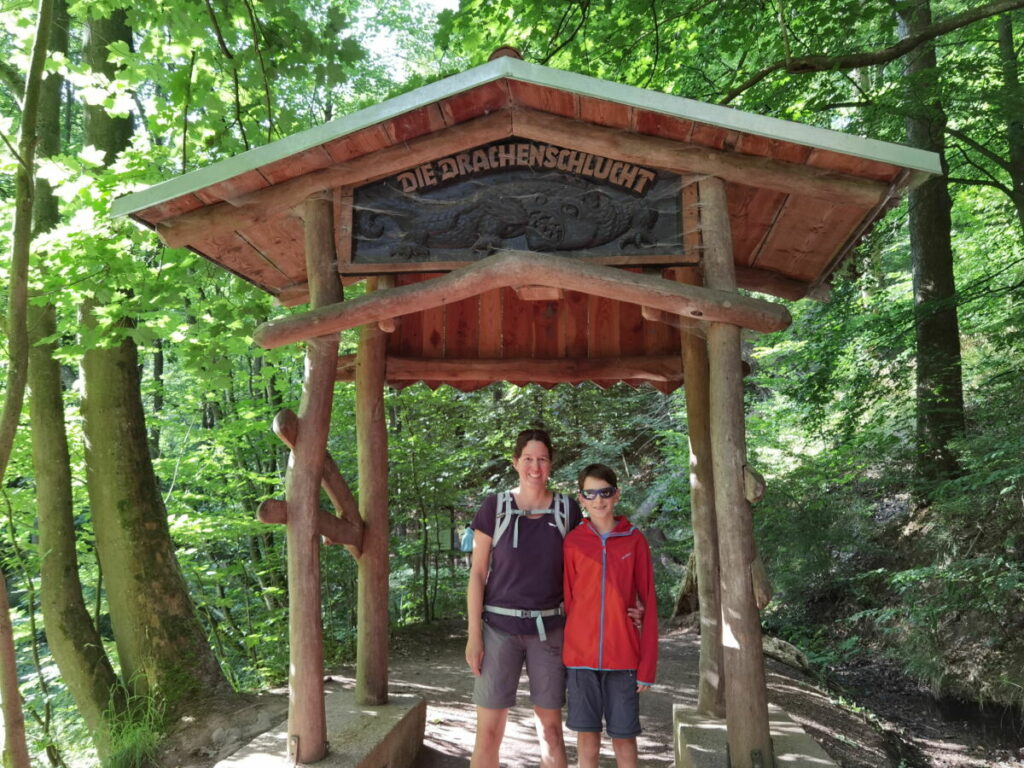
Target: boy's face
[598, 506]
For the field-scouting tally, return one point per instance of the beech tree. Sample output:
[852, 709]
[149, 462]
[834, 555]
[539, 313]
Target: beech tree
[161, 646]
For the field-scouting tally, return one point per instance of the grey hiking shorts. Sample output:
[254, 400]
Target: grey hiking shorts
[504, 655]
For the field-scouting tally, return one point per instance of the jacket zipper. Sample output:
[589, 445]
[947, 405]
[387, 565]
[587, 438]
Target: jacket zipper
[604, 579]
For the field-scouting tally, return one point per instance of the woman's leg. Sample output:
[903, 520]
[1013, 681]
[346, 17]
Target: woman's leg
[490, 729]
[588, 748]
[549, 733]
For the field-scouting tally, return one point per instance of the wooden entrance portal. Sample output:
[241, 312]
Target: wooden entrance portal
[518, 223]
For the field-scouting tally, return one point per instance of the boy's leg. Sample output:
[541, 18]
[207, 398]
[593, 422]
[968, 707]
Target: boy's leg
[549, 734]
[622, 709]
[588, 748]
[490, 730]
[625, 752]
[585, 714]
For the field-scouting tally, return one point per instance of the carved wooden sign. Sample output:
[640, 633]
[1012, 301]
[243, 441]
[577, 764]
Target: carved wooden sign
[520, 195]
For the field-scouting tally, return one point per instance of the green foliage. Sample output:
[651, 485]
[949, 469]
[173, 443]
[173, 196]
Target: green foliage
[829, 403]
[136, 734]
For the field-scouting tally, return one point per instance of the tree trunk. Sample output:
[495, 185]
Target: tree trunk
[73, 640]
[696, 381]
[1013, 109]
[70, 634]
[372, 439]
[15, 748]
[940, 401]
[746, 693]
[161, 646]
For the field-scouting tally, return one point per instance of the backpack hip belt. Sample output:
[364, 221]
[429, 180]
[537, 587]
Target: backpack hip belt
[524, 613]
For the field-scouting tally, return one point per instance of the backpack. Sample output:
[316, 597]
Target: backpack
[505, 513]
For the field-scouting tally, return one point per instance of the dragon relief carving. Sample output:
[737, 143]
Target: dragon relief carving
[551, 215]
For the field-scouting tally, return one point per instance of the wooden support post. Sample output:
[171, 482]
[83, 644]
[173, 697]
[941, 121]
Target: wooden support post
[307, 726]
[372, 440]
[746, 697]
[711, 681]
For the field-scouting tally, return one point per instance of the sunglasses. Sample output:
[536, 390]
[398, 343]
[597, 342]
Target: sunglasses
[605, 493]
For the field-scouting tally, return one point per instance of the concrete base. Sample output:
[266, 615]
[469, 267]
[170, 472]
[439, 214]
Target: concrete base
[358, 737]
[700, 741]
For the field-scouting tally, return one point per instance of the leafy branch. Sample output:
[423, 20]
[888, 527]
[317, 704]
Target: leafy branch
[805, 64]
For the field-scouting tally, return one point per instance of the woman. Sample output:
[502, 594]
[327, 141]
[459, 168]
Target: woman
[514, 601]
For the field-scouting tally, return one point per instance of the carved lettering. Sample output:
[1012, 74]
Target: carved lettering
[408, 181]
[480, 163]
[643, 177]
[535, 155]
[449, 168]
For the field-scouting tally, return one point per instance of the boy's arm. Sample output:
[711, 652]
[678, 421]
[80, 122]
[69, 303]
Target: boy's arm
[644, 579]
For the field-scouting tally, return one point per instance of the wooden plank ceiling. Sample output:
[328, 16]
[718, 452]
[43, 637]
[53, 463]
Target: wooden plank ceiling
[795, 211]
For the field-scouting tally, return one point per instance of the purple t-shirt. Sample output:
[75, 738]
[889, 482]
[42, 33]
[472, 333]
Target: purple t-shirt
[530, 576]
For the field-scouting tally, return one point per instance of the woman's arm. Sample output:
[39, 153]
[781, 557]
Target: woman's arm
[475, 600]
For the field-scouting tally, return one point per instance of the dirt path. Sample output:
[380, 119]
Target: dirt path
[905, 730]
[429, 661]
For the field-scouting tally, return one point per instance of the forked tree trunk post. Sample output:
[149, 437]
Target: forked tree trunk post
[746, 701]
[696, 385]
[372, 440]
[307, 724]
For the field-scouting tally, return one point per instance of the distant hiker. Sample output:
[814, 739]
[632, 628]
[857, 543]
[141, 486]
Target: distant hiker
[466, 545]
[609, 660]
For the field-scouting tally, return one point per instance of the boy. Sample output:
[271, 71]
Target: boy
[609, 661]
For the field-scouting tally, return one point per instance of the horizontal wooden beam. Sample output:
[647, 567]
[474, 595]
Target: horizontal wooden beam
[668, 368]
[511, 268]
[286, 427]
[293, 295]
[269, 203]
[763, 281]
[334, 529]
[681, 157]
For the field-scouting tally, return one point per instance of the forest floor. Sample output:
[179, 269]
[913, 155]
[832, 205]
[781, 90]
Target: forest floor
[881, 720]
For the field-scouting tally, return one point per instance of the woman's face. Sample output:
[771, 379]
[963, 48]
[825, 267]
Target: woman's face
[533, 465]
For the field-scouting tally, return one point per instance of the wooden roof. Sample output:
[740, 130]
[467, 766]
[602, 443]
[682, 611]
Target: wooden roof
[799, 199]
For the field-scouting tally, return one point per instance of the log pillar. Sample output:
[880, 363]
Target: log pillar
[307, 727]
[696, 384]
[372, 440]
[746, 699]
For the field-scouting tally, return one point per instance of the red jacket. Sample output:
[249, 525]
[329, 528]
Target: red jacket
[602, 578]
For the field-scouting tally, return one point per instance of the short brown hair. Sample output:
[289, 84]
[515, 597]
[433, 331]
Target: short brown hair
[532, 434]
[601, 472]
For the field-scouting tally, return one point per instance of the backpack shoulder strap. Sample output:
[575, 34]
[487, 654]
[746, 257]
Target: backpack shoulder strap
[502, 516]
[562, 513]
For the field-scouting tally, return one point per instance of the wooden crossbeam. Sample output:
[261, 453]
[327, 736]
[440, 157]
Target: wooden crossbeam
[666, 368]
[680, 157]
[335, 530]
[286, 427]
[514, 268]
